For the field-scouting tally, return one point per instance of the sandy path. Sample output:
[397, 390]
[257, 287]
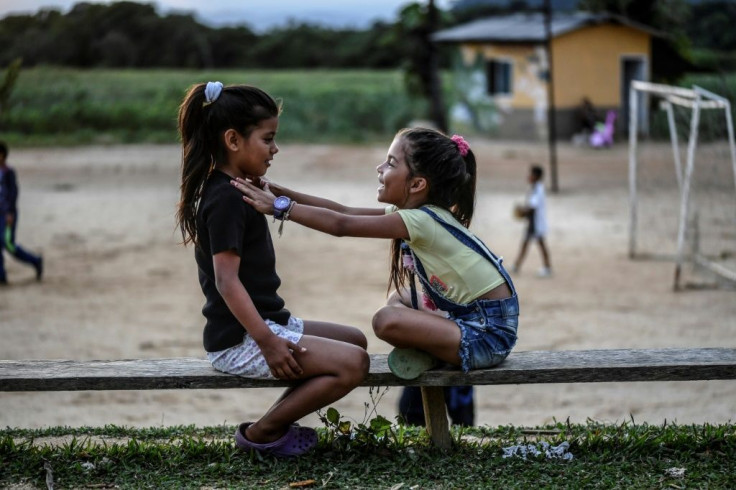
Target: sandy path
[117, 285]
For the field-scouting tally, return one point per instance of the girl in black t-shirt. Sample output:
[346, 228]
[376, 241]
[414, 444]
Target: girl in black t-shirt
[227, 133]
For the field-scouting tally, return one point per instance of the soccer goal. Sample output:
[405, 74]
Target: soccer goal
[682, 182]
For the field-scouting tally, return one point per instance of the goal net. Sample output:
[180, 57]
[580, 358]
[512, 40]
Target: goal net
[682, 182]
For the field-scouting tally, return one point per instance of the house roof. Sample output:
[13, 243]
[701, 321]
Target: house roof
[528, 28]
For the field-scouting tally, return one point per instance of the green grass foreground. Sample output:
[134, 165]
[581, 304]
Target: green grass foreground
[377, 455]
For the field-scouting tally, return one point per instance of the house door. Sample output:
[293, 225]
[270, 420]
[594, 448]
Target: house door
[633, 68]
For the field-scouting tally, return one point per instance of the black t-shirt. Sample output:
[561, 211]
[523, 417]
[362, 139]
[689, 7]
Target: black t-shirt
[226, 222]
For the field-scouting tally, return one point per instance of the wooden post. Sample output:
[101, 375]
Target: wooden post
[551, 110]
[437, 106]
[435, 416]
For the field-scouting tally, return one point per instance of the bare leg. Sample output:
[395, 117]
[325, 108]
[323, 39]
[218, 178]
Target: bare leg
[334, 331]
[405, 327]
[545, 253]
[332, 369]
[404, 299]
[522, 254]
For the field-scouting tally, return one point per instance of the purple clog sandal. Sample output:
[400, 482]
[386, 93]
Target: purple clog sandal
[297, 441]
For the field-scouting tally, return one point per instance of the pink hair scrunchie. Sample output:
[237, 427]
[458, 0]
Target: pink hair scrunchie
[462, 145]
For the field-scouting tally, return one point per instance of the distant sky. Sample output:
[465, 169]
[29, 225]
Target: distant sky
[258, 14]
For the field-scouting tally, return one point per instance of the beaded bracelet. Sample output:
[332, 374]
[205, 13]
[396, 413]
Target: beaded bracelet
[285, 217]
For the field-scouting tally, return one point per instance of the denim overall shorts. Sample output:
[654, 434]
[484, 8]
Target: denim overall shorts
[488, 326]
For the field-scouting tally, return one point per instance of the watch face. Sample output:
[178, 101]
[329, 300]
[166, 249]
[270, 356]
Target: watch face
[281, 203]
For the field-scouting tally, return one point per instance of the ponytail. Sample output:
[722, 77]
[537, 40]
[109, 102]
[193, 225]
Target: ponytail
[465, 196]
[196, 160]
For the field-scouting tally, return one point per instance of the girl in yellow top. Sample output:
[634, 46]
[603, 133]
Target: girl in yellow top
[468, 315]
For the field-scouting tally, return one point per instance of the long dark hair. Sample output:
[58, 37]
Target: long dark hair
[450, 176]
[201, 125]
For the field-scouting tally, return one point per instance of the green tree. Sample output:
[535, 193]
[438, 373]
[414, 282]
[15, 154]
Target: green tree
[232, 46]
[713, 25]
[421, 58]
[132, 34]
[668, 16]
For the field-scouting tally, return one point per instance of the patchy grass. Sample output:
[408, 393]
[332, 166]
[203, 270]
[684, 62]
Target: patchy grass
[377, 454]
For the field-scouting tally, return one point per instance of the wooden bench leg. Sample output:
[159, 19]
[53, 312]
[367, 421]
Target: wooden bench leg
[435, 415]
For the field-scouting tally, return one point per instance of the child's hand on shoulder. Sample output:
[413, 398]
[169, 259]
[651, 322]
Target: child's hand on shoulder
[260, 198]
[263, 181]
[259, 182]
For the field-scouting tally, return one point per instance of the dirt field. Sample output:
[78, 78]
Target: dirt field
[118, 285]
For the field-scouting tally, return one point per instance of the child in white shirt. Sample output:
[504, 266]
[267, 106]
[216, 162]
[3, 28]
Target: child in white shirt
[535, 212]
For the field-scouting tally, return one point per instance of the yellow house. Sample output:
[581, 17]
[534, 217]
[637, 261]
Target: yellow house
[503, 70]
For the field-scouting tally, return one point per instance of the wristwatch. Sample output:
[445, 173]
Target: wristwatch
[280, 206]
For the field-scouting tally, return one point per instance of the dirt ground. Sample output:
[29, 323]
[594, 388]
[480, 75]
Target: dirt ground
[119, 285]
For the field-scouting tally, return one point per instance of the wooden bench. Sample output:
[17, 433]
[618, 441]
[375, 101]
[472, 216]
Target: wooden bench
[531, 367]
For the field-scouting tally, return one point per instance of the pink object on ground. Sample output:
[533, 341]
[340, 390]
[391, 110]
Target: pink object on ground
[603, 134]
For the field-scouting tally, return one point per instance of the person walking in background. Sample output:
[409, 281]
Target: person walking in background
[228, 133]
[534, 210]
[468, 314]
[588, 116]
[459, 401]
[9, 219]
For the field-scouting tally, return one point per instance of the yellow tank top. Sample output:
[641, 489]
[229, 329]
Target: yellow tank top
[459, 273]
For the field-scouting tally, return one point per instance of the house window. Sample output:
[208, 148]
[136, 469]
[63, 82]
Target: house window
[499, 73]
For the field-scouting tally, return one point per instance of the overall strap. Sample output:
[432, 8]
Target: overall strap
[406, 251]
[475, 244]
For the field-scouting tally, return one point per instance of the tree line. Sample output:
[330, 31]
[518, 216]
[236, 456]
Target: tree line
[134, 35]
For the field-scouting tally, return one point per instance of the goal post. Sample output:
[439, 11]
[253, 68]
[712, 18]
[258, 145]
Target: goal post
[692, 206]
[700, 259]
[639, 94]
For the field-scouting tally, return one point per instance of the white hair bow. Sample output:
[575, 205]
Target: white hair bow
[212, 91]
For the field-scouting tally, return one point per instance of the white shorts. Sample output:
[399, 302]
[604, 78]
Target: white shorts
[246, 359]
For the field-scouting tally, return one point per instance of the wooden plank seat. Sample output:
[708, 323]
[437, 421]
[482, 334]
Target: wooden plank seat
[531, 367]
